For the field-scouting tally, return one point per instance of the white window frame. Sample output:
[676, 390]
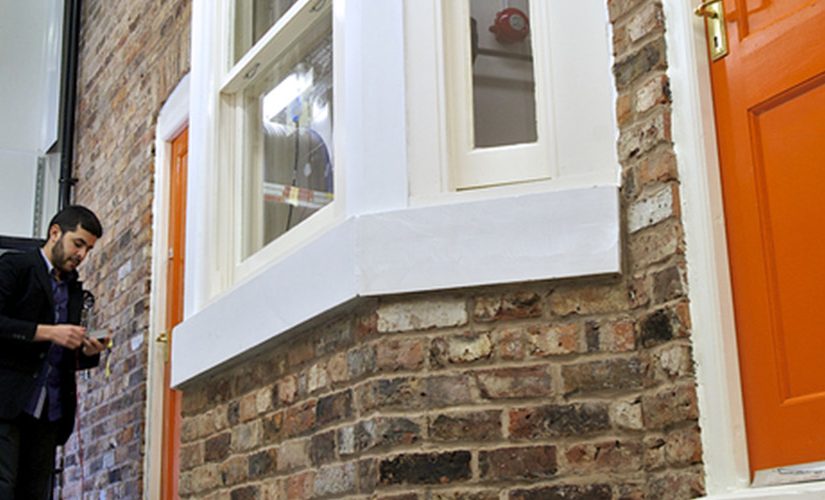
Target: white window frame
[474, 167]
[400, 227]
[233, 134]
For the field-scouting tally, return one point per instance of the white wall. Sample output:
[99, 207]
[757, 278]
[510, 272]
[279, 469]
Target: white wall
[30, 50]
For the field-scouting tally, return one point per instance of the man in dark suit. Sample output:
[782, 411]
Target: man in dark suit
[41, 347]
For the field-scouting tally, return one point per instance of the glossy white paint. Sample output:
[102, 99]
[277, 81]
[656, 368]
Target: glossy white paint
[519, 238]
[173, 117]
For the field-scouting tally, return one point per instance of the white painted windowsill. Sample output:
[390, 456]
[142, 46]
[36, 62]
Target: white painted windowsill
[558, 234]
[801, 491]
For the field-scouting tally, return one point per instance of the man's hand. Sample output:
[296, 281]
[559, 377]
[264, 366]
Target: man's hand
[71, 336]
[92, 346]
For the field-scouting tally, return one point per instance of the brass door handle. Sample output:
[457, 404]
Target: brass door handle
[163, 337]
[703, 9]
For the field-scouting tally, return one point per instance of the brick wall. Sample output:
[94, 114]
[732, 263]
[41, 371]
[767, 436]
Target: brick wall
[131, 57]
[580, 388]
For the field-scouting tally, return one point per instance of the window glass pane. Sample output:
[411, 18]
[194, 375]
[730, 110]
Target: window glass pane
[504, 100]
[289, 154]
[253, 18]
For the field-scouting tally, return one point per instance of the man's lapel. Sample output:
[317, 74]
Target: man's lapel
[41, 273]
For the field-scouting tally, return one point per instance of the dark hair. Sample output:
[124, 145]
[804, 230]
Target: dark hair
[76, 215]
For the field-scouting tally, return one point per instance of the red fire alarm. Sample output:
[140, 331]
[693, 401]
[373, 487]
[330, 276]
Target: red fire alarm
[511, 26]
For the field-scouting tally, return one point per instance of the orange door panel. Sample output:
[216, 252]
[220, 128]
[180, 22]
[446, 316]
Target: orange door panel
[174, 311]
[769, 98]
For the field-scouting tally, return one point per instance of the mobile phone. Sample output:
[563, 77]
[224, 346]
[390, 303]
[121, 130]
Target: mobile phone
[100, 334]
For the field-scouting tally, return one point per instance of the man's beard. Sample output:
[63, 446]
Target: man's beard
[59, 259]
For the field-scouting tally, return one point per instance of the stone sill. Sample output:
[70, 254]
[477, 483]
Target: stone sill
[550, 235]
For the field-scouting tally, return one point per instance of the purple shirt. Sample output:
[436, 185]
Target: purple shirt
[47, 389]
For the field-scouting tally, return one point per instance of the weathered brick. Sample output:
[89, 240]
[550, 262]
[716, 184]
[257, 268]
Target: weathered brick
[335, 480]
[248, 408]
[684, 447]
[645, 135]
[191, 455]
[649, 19]
[654, 457]
[422, 315]
[205, 478]
[670, 406]
[650, 57]
[334, 336]
[293, 455]
[612, 456]
[464, 494]
[246, 436]
[510, 306]
[617, 373]
[556, 339]
[300, 485]
[551, 421]
[317, 378]
[653, 93]
[680, 484]
[510, 344]
[653, 208]
[591, 299]
[245, 493]
[426, 468]
[670, 362]
[508, 383]
[287, 390]
[337, 368]
[299, 419]
[657, 166]
[271, 427]
[613, 335]
[334, 408]
[385, 432]
[656, 244]
[263, 463]
[661, 326]
[216, 448]
[361, 361]
[669, 284]
[367, 475]
[394, 354]
[466, 426]
[399, 393]
[507, 464]
[619, 8]
[234, 470]
[450, 390]
[322, 448]
[566, 492]
[461, 349]
[627, 413]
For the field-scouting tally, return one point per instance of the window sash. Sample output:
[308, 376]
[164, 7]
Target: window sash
[472, 167]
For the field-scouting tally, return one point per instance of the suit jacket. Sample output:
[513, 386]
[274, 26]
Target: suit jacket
[26, 300]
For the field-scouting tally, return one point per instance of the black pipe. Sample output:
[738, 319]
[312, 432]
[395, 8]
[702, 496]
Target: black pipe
[68, 99]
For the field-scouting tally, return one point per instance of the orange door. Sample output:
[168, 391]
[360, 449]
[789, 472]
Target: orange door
[769, 97]
[174, 311]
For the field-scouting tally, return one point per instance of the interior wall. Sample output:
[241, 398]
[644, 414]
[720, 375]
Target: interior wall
[30, 50]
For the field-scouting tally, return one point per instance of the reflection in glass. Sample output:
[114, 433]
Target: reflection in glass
[253, 18]
[504, 100]
[292, 169]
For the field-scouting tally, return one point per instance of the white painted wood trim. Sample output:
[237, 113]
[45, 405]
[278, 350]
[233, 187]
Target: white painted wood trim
[172, 119]
[721, 415]
[514, 239]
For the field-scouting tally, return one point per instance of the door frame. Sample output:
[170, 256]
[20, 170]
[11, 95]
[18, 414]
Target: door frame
[173, 118]
[719, 393]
